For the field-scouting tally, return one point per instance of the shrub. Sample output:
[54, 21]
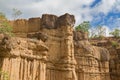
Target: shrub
[5, 27]
[116, 33]
[114, 44]
[4, 75]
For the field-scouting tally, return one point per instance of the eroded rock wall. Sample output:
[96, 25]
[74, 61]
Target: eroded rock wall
[70, 55]
[92, 61]
[61, 61]
[22, 59]
[57, 34]
[113, 46]
[23, 26]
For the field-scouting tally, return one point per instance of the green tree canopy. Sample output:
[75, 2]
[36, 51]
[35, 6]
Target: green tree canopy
[5, 27]
[115, 33]
[85, 26]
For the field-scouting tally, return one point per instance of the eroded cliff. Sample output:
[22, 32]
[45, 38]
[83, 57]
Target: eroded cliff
[113, 46]
[48, 48]
[92, 61]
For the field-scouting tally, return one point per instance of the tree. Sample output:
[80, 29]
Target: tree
[84, 27]
[5, 27]
[2, 15]
[93, 32]
[98, 32]
[16, 13]
[115, 33]
[101, 31]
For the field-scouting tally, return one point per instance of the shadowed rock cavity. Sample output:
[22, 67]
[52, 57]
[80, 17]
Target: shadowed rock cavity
[37, 35]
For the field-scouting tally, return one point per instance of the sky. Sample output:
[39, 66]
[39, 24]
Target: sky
[99, 12]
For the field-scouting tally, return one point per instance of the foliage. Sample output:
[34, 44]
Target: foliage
[5, 27]
[85, 26]
[114, 44]
[2, 15]
[98, 32]
[116, 33]
[16, 13]
[4, 75]
[93, 33]
[101, 31]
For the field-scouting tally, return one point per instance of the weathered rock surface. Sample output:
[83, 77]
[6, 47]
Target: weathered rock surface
[48, 48]
[38, 36]
[61, 61]
[57, 34]
[79, 35]
[48, 21]
[92, 61]
[113, 46]
[23, 59]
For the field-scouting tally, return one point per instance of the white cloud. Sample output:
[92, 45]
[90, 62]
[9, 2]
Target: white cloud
[80, 8]
[105, 6]
[117, 6]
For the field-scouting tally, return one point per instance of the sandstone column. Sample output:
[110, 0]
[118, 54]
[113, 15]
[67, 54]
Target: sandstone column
[67, 61]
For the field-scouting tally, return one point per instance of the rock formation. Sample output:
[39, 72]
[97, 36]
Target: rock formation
[23, 59]
[92, 61]
[113, 46]
[61, 61]
[48, 48]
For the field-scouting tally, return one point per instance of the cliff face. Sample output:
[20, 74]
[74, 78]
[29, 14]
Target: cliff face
[92, 61]
[61, 61]
[113, 46]
[22, 59]
[48, 48]
[57, 34]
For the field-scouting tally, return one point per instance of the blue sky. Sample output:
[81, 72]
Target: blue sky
[99, 12]
[111, 19]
